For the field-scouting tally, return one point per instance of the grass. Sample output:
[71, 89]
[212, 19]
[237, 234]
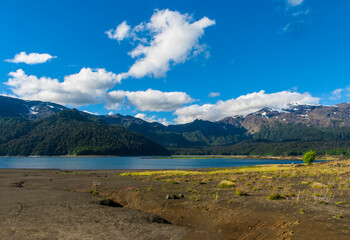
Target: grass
[240, 193]
[321, 183]
[275, 196]
[226, 184]
[248, 169]
[93, 192]
[338, 216]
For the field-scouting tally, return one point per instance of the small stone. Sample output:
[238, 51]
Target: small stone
[157, 219]
[175, 197]
[18, 184]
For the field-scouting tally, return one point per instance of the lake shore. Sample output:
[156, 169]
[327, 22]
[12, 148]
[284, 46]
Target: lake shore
[257, 202]
[298, 158]
[282, 157]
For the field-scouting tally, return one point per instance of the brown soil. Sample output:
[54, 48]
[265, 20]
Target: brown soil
[54, 204]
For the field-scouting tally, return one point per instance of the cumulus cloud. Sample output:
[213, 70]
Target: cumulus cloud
[294, 3]
[149, 100]
[242, 105]
[83, 88]
[31, 58]
[120, 33]
[174, 37]
[152, 118]
[214, 94]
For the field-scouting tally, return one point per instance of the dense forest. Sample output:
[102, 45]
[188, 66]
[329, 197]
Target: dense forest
[289, 148]
[70, 132]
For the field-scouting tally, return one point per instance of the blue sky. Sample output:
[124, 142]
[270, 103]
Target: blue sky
[195, 59]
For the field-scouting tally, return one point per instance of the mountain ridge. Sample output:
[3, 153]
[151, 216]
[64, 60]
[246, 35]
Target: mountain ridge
[302, 124]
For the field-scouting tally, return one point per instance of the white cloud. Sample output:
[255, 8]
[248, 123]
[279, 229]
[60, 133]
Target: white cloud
[149, 100]
[86, 87]
[336, 94]
[242, 105]
[294, 3]
[214, 94]
[95, 113]
[152, 118]
[173, 39]
[120, 33]
[31, 58]
[301, 13]
[286, 28]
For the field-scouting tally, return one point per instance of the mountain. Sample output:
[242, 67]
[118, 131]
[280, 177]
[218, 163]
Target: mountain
[298, 123]
[33, 110]
[292, 130]
[197, 133]
[288, 131]
[316, 116]
[71, 132]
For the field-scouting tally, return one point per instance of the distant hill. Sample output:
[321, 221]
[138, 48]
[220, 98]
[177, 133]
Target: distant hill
[71, 132]
[197, 133]
[289, 131]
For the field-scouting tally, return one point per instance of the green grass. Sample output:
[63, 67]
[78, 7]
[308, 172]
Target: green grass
[275, 197]
[93, 192]
[241, 193]
[226, 184]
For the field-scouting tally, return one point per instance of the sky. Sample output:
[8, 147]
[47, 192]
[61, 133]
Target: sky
[176, 61]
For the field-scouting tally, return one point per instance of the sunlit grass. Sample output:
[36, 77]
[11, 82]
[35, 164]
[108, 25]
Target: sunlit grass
[268, 169]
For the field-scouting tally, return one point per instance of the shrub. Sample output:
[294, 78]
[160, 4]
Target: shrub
[275, 197]
[309, 157]
[240, 193]
[225, 183]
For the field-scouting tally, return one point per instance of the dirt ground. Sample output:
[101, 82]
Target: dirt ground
[262, 202]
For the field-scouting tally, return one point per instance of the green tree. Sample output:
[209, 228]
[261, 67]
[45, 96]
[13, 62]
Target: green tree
[309, 157]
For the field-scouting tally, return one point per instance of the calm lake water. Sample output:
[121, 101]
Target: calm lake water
[76, 163]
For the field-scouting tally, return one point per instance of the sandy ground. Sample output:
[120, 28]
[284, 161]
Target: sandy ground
[54, 204]
[41, 204]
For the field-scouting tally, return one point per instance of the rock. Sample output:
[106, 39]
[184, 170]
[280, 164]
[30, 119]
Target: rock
[110, 203]
[18, 184]
[174, 196]
[157, 219]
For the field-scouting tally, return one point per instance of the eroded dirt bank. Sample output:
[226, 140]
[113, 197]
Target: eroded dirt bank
[305, 203]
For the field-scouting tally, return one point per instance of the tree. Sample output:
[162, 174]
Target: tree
[309, 157]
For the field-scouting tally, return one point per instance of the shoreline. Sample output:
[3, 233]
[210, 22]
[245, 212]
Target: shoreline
[256, 157]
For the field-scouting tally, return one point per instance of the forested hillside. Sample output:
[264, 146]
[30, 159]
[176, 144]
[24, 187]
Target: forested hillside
[70, 132]
[41, 128]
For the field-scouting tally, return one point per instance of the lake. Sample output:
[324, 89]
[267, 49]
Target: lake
[85, 163]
